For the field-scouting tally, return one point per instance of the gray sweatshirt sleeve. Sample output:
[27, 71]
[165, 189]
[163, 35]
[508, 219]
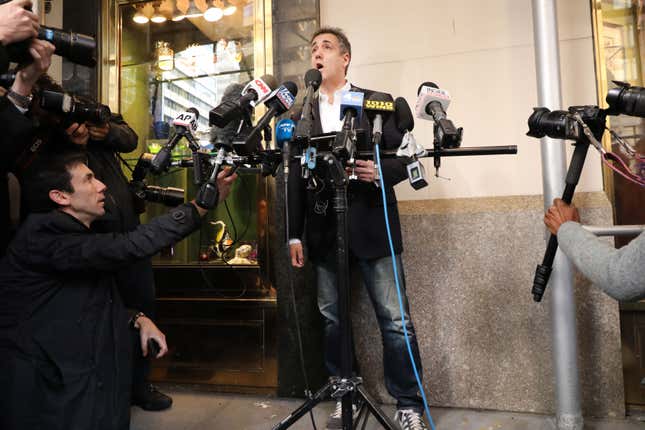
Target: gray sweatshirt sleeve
[618, 272]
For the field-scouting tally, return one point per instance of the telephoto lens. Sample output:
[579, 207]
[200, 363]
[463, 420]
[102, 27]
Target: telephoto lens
[556, 124]
[74, 110]
[626, 99]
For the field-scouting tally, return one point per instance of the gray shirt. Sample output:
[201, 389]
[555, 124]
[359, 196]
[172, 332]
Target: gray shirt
[618, 272]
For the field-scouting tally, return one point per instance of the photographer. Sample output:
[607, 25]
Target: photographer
[103, 143]
[19, 129]
[368, 243]
[64, 337]
[618, 272]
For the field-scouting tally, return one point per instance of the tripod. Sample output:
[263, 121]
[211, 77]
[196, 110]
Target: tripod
[345, 386]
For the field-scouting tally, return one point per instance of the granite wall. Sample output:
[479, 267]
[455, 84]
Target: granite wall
[484, 342]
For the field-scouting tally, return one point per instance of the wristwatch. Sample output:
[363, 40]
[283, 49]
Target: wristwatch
[19, 100]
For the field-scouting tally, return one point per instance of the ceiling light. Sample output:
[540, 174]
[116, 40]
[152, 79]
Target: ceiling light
[157, 17]
[213, 13]
[229, 9]
[177, 15]
[193, 11]
[139, 17]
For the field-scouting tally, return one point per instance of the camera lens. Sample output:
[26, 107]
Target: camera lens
[556, 124]
[168, 196]
[627, 100]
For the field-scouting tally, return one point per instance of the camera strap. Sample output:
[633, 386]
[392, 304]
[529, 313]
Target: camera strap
[607, 157]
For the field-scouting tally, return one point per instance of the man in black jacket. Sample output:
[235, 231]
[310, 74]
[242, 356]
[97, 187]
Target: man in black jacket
[368, 244]
[63, 328]
[17, 24]
[104, 142]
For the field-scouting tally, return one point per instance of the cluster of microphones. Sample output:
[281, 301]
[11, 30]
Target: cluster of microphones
[237, 141]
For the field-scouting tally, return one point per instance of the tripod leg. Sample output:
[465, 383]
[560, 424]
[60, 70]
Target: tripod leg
[371, 404]
[305, 407]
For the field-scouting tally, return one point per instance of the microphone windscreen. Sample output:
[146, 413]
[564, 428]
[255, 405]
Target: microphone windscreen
[313, 77]
[232, 92]
[426, 84]
[293, 88]
[403, 115]
[271, 82]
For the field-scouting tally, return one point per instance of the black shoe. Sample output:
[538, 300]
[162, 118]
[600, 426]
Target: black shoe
[149, 398]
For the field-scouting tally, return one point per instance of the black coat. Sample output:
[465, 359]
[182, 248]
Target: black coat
[64, 345]
[17, 134]
[366, 221]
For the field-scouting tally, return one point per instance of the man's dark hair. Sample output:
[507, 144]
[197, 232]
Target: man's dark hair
[343, 41]
[50, 173]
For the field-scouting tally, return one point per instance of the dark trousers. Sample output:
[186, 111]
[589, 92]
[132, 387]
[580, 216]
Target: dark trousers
[378, 278]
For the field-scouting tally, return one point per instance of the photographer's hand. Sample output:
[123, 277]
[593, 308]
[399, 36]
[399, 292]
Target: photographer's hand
[26, 77]
[78, 134]
[98, 131]
[225, 182]
[148, 330]
[16, 22]
[558, 214]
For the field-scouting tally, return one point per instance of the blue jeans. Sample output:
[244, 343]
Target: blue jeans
[378, 278]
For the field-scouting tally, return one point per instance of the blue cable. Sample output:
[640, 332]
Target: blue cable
[398, 289]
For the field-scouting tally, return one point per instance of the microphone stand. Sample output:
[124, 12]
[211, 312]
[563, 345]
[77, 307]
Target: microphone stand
[346, 386]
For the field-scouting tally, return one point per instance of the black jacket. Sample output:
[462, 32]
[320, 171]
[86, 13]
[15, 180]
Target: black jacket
[366, 221]
[64, 346]
[17, 134]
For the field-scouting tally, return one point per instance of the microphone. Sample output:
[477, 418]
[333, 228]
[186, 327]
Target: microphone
[351, 110]
[313, 78]
[283, 135]
[378, 108]
[278, 102]
[404, 122]
[232, 107]
[432, 102]
[403, 118]
[185, 125]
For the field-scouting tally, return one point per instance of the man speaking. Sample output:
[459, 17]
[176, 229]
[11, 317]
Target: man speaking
[368, 243]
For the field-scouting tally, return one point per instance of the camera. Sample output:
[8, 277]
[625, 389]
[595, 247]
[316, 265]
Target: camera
[75, 110]
[626, 99]
[560, 124]
[77, 48]
[168, 196]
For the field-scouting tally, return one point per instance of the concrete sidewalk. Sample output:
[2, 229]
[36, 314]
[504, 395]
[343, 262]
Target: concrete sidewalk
[209, 411]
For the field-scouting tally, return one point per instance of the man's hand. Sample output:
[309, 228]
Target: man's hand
[98, 131]
[78, 134]
[16, 22]
[558, 214]
[42, 52]
[148, 330]
[365, 170]
[297, 255]
[225, 183]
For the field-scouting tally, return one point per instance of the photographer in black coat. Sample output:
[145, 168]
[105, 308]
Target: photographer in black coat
[63, 327]
[17, 24]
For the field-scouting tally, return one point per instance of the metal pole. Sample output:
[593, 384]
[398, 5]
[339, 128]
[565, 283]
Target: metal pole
[563, 309]
[615, 230]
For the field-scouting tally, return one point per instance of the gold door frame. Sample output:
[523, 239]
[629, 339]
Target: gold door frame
[602, 86]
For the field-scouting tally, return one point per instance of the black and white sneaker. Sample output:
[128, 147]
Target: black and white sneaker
[410, 419]
[335, 420]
